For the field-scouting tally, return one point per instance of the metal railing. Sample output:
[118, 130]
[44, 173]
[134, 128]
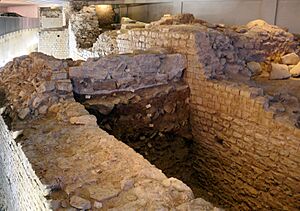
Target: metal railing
[12, 24]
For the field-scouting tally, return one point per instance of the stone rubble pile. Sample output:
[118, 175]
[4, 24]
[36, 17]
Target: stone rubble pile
[126, 72]
[85, 26]
[35, 82]
[175, 20]
[285, 67]
[232, 50]
[223, 50]
[127, 23]
[106, 44]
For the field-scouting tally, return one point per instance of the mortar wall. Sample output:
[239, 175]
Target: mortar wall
[245, 157]
[55, 43]
[21, 187]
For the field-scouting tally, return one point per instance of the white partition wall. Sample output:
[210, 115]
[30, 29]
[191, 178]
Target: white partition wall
[284, 13]
[289, 15]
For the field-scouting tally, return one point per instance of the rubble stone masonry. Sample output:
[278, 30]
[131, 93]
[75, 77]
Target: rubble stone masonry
[247, 157]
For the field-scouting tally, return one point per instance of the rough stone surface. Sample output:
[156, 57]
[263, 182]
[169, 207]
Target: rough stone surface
[81, 164]
[295, 71]
[32, 85]
[126, 72]
[254, 67]
[85, 26]
[80, 203]
[238, 134]
[20, 188]
[279, 71]
[290, 59]
[224, 51]
[106, 44]
[84, 120]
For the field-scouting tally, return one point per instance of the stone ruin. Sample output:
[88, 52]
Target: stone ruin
[214, 106]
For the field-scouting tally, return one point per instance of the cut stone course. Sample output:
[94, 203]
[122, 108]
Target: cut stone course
[126, 72]
[290, 59]
[245, 132]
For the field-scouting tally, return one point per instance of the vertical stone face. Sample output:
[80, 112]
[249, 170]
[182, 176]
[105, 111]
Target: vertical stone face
[85, 26]
[54, 43]
[245, 157]
[53, 35]
[21, 187]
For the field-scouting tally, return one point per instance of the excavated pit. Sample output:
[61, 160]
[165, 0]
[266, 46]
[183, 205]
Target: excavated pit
[155, 123]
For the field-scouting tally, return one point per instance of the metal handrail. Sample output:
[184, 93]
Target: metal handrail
[12, 24]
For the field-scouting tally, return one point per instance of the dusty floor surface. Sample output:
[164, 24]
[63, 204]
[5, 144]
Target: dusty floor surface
[168, 144]
[84, 161]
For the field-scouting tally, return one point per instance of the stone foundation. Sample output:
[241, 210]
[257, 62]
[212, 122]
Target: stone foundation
[82, 166]
[247, 152]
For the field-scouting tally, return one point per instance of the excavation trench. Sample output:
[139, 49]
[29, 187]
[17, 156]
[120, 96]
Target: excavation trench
[155, 123]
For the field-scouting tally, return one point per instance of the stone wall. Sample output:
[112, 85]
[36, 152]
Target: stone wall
[247, 154]
[54, 34]
[126, 73]
[51, 18]
[54, 43]
[45, 81]
[85, 26]
[21, 187]
[82, 166]
[223, 51]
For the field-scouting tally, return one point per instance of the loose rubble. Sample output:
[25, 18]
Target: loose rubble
[34, 82]
[85, 26]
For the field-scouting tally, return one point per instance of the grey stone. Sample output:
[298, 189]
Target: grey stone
[105, 85]
[127, 184]
[279, 71]
[23, 113]
[80, 203]
[102, 194]
[59, 75]
[64, 85]
[254, 67]
[46, 86]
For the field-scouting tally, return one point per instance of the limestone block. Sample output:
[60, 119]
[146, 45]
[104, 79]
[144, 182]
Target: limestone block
[84, 120]
[64, 85]
[46, 86]
[295, 71]
[279, 71]
[23, 113]
[80, 203]
[59, 75]
[290, 59]
[254, 67]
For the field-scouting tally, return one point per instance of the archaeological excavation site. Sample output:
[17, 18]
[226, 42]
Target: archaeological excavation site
[150, 105]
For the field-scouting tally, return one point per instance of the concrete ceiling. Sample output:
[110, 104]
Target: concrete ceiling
[7, 3]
